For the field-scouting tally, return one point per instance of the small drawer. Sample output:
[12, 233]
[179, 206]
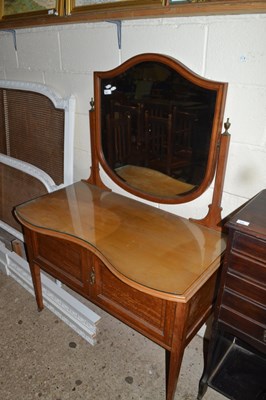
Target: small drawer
[242, 305]
[65, 261]
[245, 328]
[246, 288]
[148, 314]
[252, 247]
[250, 269]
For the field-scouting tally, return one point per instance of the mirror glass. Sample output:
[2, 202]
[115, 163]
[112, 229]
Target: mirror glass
[156, 126]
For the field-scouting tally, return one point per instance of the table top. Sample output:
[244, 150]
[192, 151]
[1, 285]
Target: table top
[140, 243]
[251, 218]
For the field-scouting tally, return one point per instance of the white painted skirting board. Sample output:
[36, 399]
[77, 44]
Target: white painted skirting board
[75, 314]
[3, 258]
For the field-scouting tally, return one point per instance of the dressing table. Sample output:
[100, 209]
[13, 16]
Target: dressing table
[153, 270]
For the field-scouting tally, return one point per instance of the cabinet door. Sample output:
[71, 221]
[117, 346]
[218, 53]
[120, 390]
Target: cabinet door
[65, 261]
[149, 315]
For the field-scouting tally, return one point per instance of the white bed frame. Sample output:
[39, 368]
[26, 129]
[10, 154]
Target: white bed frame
[56, 298]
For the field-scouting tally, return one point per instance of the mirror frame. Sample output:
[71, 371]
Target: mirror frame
[98, 158]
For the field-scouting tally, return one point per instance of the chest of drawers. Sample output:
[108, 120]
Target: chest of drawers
[236, 362]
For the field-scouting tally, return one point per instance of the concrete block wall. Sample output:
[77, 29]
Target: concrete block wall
[224, 48]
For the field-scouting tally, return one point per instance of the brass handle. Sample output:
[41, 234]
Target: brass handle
[92, 276]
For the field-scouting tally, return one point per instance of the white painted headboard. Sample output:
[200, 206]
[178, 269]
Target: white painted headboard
[7, 159]
[56, 298]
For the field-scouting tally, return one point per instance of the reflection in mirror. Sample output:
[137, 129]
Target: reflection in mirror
[156, 128]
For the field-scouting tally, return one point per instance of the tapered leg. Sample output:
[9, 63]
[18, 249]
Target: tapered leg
[174, 356]
[36, 280]
[34, 268]
[203, 386]
[173, 360]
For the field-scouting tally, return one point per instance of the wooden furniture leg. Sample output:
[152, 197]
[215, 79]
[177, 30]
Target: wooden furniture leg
[173, 362]
[175, 355]
[203, 386]
[37, 284]
[34, 268]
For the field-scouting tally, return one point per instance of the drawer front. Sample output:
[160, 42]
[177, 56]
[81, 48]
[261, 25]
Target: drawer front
[252, 247]
[244, 328]
[243, 306]
[247, 268]
[246, 288]
[67, 262]
[243, 315]
[148, 314]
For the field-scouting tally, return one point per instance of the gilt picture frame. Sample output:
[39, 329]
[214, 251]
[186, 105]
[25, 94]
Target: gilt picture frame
[13, 9]
[76, 6]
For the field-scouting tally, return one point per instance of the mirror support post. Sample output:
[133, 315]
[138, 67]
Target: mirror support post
[214, 219]
[94, 177]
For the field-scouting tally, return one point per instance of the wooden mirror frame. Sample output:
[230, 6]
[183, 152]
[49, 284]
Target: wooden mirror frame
[218, 145]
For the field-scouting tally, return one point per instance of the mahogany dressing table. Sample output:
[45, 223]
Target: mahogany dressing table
[155, 271]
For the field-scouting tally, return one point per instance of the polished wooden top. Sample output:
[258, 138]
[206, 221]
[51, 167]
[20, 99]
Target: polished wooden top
[148, 248]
